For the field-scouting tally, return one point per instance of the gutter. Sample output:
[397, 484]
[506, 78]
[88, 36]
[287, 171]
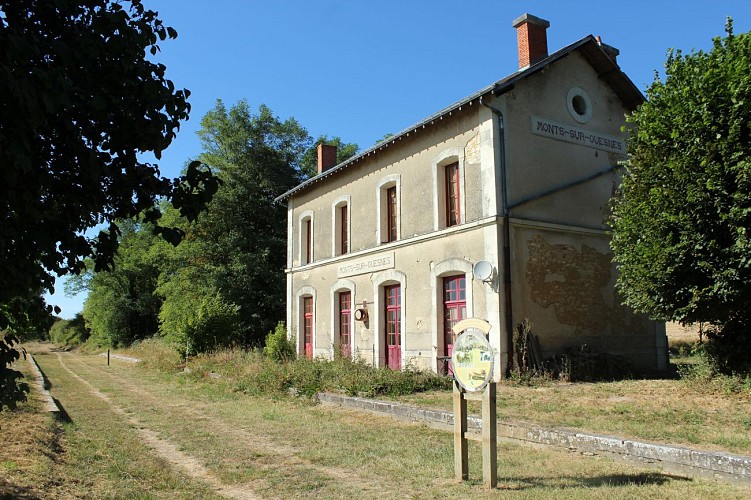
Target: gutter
[506, 213]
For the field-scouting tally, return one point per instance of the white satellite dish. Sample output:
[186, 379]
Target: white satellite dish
[482, 270]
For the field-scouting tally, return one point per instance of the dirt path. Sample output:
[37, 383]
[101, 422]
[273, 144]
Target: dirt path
[162, 447]
[275, 454]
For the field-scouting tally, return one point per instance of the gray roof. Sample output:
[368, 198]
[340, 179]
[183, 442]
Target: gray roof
[606, 68]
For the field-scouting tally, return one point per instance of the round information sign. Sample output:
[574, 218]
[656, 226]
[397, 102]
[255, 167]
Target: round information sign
[472, 359]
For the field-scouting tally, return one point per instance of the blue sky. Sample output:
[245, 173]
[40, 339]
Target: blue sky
[359, 69]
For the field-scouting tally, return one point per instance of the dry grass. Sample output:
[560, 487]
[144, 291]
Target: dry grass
[288, 448]
[665, 411]
[31, 442]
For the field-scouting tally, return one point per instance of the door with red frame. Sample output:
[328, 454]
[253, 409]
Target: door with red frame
[393, 326]
[345, 322]
[308, 326]
[454, 310]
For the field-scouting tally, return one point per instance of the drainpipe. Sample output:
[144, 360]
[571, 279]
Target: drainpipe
[508, 320]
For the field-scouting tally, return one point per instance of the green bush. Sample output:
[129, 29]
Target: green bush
[69, 332]
[192, 327]
[278, 346]
[728, 346]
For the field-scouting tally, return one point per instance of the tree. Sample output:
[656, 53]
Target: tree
[682, 218]
[11, 390]
[122, 305]
[79, 104]
[71, 332]
[232, 262]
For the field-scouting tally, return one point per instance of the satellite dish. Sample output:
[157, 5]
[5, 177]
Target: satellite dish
[482, 270]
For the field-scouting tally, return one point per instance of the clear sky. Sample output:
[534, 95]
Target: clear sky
[361, 69]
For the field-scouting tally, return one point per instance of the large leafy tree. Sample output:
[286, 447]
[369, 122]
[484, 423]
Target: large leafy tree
[122, 305]
[682, 218]
[80, 101]
[236, 253]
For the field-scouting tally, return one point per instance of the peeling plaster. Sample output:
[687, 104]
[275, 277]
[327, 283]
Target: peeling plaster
[571, 282]
[472, 150]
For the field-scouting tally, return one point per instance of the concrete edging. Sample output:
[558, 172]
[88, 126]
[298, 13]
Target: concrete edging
[673, 458]
[42, 384]
[122, 358]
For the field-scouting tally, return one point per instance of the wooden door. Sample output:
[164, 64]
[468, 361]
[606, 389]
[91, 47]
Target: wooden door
[308, 326]
[345, 321]
[454, 310]
[393, 327]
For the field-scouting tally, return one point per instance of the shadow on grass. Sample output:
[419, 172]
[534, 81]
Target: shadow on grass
[609, 480]
[9, 490]
[63, 415]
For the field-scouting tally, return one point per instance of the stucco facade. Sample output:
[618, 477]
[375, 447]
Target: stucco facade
[519, 175]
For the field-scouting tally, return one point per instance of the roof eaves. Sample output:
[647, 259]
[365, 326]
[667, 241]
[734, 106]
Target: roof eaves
[496, 88]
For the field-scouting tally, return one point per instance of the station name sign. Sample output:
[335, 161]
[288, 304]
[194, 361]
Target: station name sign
[576, 135]
[369, 264]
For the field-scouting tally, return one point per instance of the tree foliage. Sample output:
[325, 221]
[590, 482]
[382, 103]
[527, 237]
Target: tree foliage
[122, 305]
[80, 102]
[235, 254]
[11, 390]
[224, 284]
[69, 332]
[682, 217]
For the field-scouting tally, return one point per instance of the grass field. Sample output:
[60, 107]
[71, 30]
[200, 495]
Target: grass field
[135, 432]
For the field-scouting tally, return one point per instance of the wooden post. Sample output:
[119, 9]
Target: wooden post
[108, 357]
[461, 457]
[489, 437]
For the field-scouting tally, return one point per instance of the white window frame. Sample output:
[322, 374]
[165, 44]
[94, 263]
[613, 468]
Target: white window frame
[438, 164]
[393, 180]
[336, 224]
[302, 237]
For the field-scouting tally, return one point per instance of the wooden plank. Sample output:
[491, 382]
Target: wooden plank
[461, 457]
[489, 437]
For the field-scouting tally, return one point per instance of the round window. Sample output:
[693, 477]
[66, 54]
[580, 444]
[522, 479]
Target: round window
[579, 104]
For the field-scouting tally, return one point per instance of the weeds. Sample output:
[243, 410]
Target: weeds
[253, 373]
[698, 371]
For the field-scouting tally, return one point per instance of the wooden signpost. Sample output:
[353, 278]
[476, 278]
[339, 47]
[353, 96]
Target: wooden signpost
[472, 360]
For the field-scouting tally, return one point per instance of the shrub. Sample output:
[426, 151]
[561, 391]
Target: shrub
[728, 346]
[69, 332]
[278, 346]
[192, 328]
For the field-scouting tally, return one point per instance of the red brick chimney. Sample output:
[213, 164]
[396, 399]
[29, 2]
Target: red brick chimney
[326, 157]
[532, 39]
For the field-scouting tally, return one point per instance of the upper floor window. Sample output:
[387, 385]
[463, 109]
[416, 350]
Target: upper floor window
[343, 232]
[389, 215]
[453, 196]
[306, 238]
[340, 240]
[448, 185]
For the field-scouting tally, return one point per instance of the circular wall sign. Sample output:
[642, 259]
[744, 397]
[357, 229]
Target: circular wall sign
[472, 359]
